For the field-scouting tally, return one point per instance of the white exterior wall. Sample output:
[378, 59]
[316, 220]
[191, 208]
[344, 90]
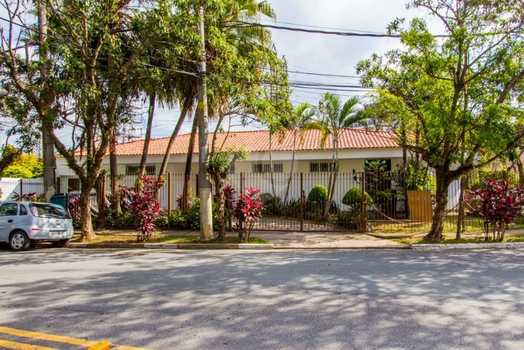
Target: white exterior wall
[350, 161]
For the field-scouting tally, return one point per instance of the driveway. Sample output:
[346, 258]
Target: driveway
[384, 299]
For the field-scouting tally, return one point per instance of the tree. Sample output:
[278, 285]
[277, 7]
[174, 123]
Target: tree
[219, 167]
[301, 119]
[459, 91]
[334, 118]
[94, 69]
[9, 156]
[26, 166]
[28, 75]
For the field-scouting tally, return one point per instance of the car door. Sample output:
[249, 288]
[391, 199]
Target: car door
[8, 215]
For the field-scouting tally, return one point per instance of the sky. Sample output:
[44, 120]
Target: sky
[315, 52]
[321, 53]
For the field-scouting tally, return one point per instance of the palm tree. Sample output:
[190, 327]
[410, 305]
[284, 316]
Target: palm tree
[301, 119]
[334, 118]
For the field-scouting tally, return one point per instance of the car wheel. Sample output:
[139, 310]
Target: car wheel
[19, 241]
[60, 244]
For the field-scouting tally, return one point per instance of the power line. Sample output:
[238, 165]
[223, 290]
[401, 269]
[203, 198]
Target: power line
[323, 31]
[324, 74]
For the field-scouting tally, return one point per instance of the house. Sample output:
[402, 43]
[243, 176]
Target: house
[357, 147]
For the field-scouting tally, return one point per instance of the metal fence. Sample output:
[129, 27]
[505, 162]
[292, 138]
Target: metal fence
[376, 201]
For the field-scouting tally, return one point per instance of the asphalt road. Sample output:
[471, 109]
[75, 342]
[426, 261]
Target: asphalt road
[270, 300]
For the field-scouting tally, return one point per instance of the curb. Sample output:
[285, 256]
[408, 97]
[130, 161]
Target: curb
[188, 246]
[436, 247]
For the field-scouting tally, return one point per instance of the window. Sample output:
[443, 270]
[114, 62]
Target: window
[48, 211]
[23, 210]
[321, 167]
[9, 209]
[261, 168]
[133, 169]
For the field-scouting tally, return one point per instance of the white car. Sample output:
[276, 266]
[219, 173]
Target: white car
[23, 223]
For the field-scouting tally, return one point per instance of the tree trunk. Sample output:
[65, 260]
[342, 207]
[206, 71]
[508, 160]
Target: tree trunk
[441, 198]
[520, 169]
[185, 108]
[461, 209]
[101, 218]
[147, 139]
[85, 212]
[271, 174]
[219, 193]
[332, 177]
[186, 192]
[48, 149]
[113, 174]
[292, 169]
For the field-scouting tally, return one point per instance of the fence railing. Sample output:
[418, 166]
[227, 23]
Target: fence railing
[378, 200]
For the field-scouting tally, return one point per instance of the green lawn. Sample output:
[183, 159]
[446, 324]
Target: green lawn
[160, 237]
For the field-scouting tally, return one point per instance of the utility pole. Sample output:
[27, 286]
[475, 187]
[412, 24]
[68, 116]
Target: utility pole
[206, 204]
[46, 100]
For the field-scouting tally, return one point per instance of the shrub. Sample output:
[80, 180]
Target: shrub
[178, 220]
[144, 206]
[499, 204]
[122, 221]
[272, 205]
[162, 220]
[318, 194]
[348, 219]
[74, 209]
[247, 212]
[355, 197]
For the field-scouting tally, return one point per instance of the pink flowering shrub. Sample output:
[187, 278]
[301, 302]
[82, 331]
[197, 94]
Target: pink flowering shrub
[143, 206]
[498, 204]
[73, 204]
[248, 212]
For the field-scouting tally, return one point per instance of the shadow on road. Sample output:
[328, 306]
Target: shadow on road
[263, 300]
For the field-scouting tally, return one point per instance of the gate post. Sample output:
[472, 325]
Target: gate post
[302, 202]
[241, 182]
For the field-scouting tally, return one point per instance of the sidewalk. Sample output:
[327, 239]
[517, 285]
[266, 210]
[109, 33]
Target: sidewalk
[327, 240]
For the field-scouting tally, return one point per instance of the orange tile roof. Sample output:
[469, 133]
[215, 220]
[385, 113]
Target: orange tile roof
[258, 141]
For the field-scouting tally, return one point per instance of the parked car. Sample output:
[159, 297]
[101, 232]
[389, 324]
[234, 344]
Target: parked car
[23, 223]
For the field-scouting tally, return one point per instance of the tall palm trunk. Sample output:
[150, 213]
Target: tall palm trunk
[186, 192]
[332, 176]
[147, 139]
[271, 173]
[185, 108]
[113, 174]
[292, 169]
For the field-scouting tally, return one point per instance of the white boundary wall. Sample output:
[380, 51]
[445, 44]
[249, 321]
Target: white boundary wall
[12, 186]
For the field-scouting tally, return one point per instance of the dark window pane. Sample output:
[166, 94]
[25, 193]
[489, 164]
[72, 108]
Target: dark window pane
[9, 209]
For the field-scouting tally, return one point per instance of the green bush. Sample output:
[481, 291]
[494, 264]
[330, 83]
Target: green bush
[272, 205]
[123, 221]
[162, 221]
[348, 219]
[178, 220]
[318, 194]
[355, 197]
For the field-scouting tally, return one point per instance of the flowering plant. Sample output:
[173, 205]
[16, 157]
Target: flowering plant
[248, 212]
[143, 205]
[498, 204]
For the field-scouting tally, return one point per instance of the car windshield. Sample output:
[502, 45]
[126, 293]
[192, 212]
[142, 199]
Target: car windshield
[48, 211]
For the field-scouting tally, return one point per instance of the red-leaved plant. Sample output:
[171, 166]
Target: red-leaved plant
[143, 205]
[73, 204]
[247, 212]
[498, 204]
